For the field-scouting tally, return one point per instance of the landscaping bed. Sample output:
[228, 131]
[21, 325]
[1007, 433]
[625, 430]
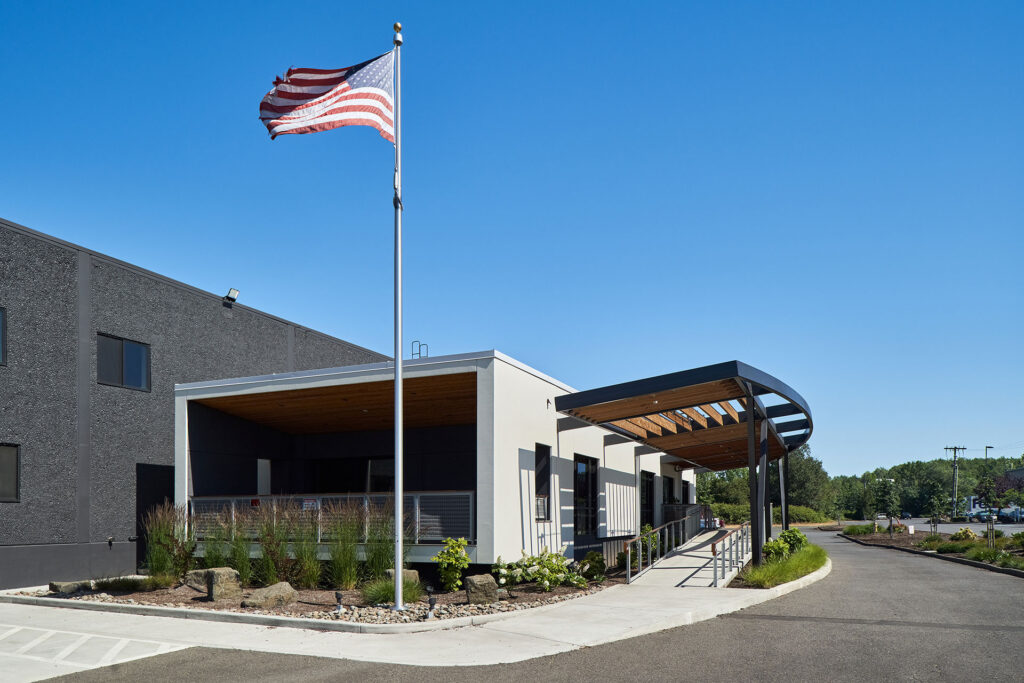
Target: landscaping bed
[321, 604]
[786, 559]
[1008, 552]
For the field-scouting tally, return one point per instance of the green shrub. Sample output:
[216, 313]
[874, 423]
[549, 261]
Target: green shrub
[593, 566]
[858, 529]
[215, 541]
[621, 559]
[964, 534]
[547, 570]
[731, 513]
[983, 554]
[797, 514]
[451, 560]
[794, 538]
[1019, 538]
[306, 568]
[800, 563]
[272, 527]
[344, 529]
[238, 550]
[955, 547]
[1011, 561]
[380, 591]
[932, 538]
[170, 540]
[775, 550]
[997, 533]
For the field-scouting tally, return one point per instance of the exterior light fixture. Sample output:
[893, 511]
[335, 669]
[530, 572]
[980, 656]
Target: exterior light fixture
[232, 295]
[431, 601]
[337, 598]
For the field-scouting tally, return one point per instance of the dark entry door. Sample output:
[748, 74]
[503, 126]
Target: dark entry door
[584, 502]
[647, 498]
[153, 485]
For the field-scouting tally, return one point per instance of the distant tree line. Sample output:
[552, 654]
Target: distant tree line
[922, 488]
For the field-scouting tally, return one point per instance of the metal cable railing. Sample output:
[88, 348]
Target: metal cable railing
[432, 516]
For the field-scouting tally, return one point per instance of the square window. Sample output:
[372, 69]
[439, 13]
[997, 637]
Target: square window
[122, 363]
[10, 462]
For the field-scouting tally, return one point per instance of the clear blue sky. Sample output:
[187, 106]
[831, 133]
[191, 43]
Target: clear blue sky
[831, 192]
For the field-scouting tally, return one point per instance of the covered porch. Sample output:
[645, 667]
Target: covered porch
[716, 417]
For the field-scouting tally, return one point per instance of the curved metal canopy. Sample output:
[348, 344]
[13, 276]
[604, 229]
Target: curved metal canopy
[698, 416]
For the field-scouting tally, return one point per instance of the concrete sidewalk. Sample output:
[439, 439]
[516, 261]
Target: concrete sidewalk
[613, 614]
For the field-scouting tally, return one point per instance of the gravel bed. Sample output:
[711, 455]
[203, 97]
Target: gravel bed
[315, 605]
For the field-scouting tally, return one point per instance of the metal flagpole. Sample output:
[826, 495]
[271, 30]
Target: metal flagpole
[399, 488]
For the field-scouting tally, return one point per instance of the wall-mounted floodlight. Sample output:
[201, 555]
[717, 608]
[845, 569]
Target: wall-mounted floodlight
[232, 295]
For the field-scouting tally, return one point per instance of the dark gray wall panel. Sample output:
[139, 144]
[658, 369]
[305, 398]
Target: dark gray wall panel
[193, 337]
[37, 387]
[37, 565]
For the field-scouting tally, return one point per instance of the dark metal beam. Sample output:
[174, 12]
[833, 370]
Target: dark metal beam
[792, 426]
[783, 410]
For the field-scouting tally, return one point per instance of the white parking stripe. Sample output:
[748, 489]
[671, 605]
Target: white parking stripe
[32, 643]
[113, 652]
[70, 648]
[10, 632]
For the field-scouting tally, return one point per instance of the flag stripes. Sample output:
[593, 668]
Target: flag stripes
[313, 100]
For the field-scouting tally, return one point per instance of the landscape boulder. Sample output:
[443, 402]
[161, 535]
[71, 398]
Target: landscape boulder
[481, 589]
[222, 583]
[271, 596]
[196, 579]
[70, 586]
[407, 575]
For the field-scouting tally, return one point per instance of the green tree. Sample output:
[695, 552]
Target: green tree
[887, 499]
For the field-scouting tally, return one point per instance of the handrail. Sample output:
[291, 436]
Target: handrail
[658, 542]
[736, 557]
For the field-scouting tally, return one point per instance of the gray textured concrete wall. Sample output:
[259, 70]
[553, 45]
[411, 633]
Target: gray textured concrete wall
[37, 387]
[192, 337]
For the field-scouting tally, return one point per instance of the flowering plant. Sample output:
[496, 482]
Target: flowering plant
[547, 570]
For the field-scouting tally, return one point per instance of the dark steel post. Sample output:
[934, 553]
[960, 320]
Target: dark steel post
[785, 491]
[755, 515]
[763, 492]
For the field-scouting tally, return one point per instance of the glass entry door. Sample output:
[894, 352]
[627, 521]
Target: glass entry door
[585, 500]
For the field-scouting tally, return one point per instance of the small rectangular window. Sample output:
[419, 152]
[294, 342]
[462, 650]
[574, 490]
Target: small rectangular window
[10, 464]
[122, 363]
[3, 336]
[668, 490]
[542, 482]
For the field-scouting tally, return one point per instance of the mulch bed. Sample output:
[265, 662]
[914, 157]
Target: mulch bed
[903, 540]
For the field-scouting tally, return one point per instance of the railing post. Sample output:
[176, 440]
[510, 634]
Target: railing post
[714, 564]
[629, 561]
[416, 516]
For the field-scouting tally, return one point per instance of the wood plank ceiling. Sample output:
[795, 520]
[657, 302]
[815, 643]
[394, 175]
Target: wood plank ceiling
[696, 423]
[434, 401]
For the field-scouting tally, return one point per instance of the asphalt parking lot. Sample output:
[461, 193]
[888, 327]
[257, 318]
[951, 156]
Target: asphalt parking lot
[880, 615]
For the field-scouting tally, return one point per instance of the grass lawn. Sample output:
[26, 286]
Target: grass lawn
[804, 561]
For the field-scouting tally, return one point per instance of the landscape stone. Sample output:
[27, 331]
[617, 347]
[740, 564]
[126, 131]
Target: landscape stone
[196, 579]
[407, 575]
[70, 586]
[271, 596]
[481, 589]
[222, 583]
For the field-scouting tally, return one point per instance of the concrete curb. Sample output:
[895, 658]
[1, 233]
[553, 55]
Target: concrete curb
[948, 558]
[269, 620]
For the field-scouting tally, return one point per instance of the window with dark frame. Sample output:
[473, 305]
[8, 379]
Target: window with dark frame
[3, 336]
[668, 490]
[542, 482]
[122, 363]
[10, 471]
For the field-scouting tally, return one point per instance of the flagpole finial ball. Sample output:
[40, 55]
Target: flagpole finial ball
[398, 27]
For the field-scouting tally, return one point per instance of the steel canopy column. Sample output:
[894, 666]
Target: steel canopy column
[762, 489]
[755, 515]
[784, 490]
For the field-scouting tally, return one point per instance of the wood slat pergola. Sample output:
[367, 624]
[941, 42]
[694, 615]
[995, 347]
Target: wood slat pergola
[710, 418]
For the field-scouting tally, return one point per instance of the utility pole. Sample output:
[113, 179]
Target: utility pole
[956, 472]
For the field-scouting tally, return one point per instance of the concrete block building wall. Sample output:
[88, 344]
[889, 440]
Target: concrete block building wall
[80, 440]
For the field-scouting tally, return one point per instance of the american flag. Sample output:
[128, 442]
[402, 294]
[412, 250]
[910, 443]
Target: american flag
[312, 100]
